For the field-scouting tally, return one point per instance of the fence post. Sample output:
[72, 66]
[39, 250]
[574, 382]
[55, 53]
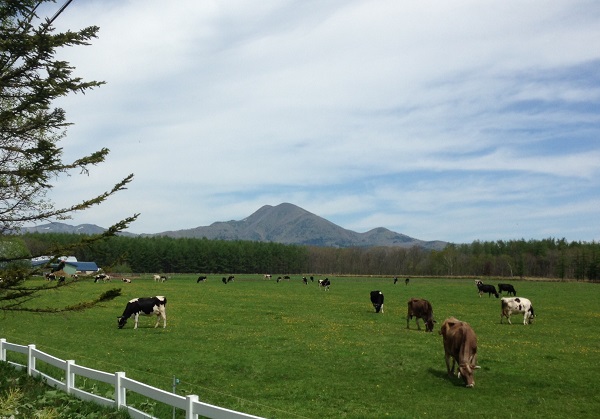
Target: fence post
[120, 396]
[30, 359]
[2, 350]
[190, 406]
[70, 377]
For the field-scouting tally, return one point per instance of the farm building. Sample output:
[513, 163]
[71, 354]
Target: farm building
[69, 265]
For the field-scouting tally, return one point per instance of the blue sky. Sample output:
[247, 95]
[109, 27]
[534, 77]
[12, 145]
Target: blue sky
[454, 121]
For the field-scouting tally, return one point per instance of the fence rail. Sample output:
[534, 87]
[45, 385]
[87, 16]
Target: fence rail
[190, 404]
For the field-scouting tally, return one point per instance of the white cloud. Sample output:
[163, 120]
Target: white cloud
[415, 116]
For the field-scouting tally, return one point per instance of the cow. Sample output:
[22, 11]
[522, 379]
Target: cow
[230, 278]
[483, 288]
[156, 278]
[102, 277]
[460, 344]
[147, 306]
[126, 280]
[50, 277]
[324, 283]
[508, 288]
[305, 280]
[201, 278]
[395, 280]
[516, 305]
[267, 276]
[420, 309]
[406, 281]
[377, 301]
[224, 280]
[163, 278]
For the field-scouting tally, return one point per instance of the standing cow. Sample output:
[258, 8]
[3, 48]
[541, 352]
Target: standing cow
[483, 288]
[377, 301]
[147, 306]
[460, 344]
[508, 288]
[421, 309]
[516, 305]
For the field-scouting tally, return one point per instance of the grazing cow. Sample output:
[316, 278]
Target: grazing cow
[517, 305]
[61, 279]
[126, 280]
[163, 278]
[224, 280]
[324, 283]
[287, 277]
[395, 280]
[230, 278]
[508, 288]
[101, 277]
[460, 344]
[201, 278]
[406, 281]
[312, 279]
[420, 309]
[483, 288]
[278, 279]
[50, 277]
[147, 306]
[377, 301]
[267, 276]
[305, 280]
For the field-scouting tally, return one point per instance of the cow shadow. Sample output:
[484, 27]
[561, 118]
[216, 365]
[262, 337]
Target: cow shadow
[443, 375]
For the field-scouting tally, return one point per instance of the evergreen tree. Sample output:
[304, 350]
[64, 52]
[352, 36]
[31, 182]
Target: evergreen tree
[31, 80]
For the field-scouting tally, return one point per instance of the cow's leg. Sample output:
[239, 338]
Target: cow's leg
[382, 309]
[407, 319]
[450, 370]
[508, 317]
[137, 315]
[418, 325]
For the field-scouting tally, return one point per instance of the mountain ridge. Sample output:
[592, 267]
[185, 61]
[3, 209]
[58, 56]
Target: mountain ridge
[284, 223]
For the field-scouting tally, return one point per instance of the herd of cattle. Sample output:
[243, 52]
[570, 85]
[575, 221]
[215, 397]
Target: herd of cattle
[459, 338]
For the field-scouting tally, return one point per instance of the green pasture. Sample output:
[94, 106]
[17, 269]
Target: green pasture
[288, 350]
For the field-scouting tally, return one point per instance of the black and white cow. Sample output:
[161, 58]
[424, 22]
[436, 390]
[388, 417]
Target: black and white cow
[508, 288]
[126, 280]
[377, 301]
[517, 305]
[483, 288]
[324, 283]
[102, 277]
[146, 306]
[201, 278]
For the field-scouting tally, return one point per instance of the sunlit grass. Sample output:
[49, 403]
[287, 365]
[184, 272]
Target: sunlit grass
[291, 350]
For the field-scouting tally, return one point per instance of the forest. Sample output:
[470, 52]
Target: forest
[548, 258]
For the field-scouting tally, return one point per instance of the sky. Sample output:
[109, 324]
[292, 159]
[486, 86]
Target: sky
[442, 120]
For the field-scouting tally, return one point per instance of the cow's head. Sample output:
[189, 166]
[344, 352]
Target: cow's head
[121, 322]
[465, 371]
[429, 324]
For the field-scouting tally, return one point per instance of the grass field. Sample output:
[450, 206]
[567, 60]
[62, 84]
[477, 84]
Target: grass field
[287, 350]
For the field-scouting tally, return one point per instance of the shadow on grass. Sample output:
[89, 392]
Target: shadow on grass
[443, 375]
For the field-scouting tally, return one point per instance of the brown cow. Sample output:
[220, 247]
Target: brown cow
[421, 309]
[460, 343]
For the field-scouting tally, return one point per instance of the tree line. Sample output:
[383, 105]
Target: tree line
[548, 258]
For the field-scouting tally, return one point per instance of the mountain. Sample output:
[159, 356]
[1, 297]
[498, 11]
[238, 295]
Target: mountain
[289, 224]
[64, 228]
[284, 223]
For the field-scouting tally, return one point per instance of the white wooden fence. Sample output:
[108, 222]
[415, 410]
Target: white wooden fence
[190, 404]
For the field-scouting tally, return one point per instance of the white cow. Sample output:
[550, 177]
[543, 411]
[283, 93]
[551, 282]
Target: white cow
[156, 278]
[517, 305]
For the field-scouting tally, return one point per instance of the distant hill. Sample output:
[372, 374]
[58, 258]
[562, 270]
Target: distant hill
[284, 223]
[289, 224]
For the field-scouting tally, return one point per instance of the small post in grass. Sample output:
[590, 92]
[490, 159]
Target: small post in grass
[175, 382]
